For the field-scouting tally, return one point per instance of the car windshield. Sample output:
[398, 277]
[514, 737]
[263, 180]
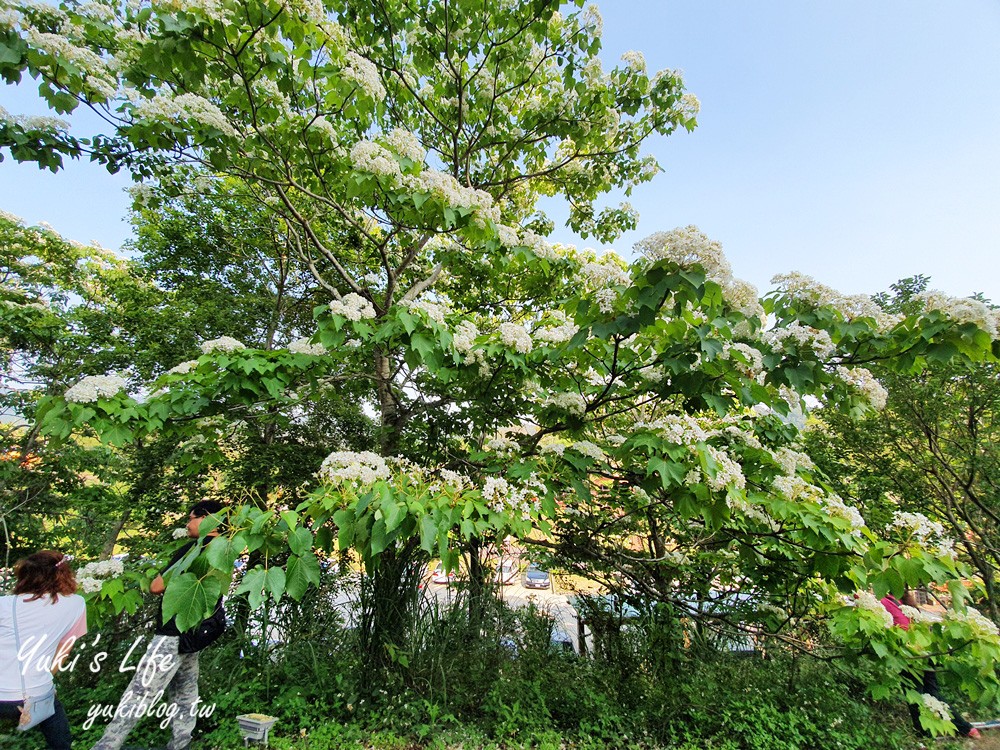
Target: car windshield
[537, 574]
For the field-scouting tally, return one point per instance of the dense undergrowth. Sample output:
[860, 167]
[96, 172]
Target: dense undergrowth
[503, 687]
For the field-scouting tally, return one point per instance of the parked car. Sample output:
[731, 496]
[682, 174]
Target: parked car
[536, 578]
[507, 572]
[440, 575]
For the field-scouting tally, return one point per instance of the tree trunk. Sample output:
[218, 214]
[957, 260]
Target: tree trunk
[112, 538]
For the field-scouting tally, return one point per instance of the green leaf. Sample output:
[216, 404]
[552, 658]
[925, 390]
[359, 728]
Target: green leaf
[301, 572]
[428, 534]
[300, 541]
[190, 599]
[380, 538]
[253, 585]
[324, 539]
[274, 582]
[223, 551]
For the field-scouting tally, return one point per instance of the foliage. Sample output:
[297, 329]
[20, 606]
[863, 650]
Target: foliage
[932, 450]
[639, 420]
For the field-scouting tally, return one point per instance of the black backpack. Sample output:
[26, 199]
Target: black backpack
[205, 634]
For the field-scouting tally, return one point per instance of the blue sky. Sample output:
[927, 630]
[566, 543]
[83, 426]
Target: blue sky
[853, 141]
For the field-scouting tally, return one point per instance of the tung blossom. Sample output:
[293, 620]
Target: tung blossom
[364, 467]
[91, 577]
[515, 337]
[587, 448]
[302, 346]
[183, 368]
[573, 403]
[184, 107]
[94, 387]
[866, 600]
[363, 72]
[862, 380]
[222, 344]
[688, 247]
[354, 307]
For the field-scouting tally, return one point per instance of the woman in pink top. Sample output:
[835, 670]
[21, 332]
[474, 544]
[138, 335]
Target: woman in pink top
[50, 617]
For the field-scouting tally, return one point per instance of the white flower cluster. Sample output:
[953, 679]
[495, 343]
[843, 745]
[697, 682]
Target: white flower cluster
[327, 128]
[866, 600]
[540, 246]
[835, 506]
[635, 60]
[6, 215]
[753, 361]
[515, 337]
[557, 329]
[31, 122]
[370, 157]
[797, 489]
[572, 403]
[363, 72]
[183, 368]
[964, 310]
[210, 8]
[688, 247]
[353, 307]
[592, 19]
[937, 707]
[184, 107]
[502, 444]
[654, 373]
[791, 460]
[180, 533]
[364, 467]
[926, 533]
[744, 507]
[862, 380]
[93, 387]
[551, 445]
[311, 9]
[508, 236]
[455, 480]
[742, 295]
[302, 346]
[817, 340]
[464, 337]
[503, 497]
[404, 143]
[93, 575]
[587, 448]
[602, 276]
[463, 340]
[680, 429]
[980, 625]
[728, 472]
[436, 311]
[851, 307]
[222, 344]
[919, 615]
[445, 188]
[98, 79]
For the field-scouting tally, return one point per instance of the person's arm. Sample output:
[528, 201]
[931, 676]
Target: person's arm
[76, 632]
[157, 585]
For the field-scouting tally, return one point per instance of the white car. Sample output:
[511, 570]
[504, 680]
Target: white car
[440, 575]
[507, 572]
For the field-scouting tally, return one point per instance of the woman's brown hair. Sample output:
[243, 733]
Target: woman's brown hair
[45, 572]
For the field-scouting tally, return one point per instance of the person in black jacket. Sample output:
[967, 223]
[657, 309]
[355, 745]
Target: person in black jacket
[164, 669]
